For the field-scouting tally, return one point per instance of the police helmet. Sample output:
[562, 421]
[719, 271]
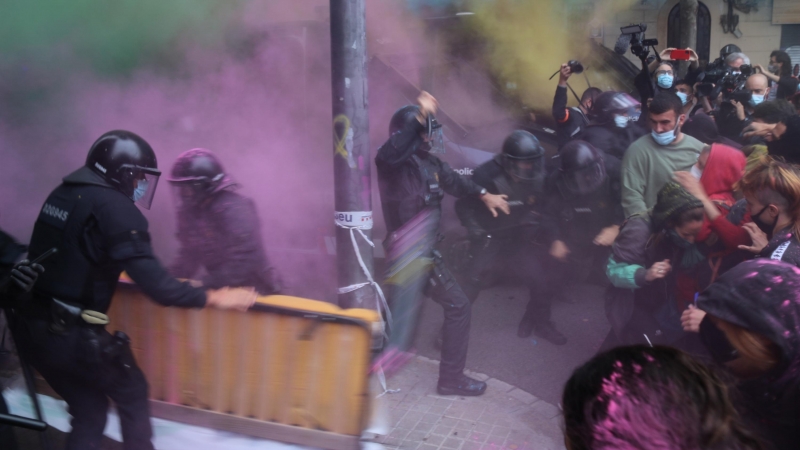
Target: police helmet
[523, 156]
[582, 168]
[128, 163]
[434, 141]
[611, 103]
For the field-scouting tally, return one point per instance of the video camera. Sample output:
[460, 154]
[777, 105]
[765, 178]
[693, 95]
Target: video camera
[728, 83]
[633, 36]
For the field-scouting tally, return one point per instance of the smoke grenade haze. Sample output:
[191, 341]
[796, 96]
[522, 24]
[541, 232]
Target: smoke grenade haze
[249, 80]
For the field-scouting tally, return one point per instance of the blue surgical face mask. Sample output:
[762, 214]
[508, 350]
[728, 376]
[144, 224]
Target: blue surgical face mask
[684, 97]
[621, 121]
[667, 137]
[141, 189]
[756, 99]
[665, 81]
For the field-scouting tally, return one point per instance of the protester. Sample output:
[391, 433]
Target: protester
[783, 137]
[685, 91]
[656, 267]
[772, 192]
[650, 398]
[780, 76]
[749, 322]
[650, 161]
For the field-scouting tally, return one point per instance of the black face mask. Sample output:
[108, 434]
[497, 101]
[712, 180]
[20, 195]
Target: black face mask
[716, 342]
[763, 226]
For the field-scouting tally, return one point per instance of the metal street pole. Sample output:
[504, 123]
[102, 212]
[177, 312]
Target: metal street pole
[351, 156]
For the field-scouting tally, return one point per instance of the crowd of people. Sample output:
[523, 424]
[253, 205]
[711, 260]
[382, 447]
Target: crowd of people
[683, 203]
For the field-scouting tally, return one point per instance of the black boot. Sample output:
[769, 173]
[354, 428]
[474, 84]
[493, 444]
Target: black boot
[461, 385]
[548, 332]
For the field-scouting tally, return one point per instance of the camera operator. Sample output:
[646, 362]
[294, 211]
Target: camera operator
[782, 84]
[738, 103]
[571, 121]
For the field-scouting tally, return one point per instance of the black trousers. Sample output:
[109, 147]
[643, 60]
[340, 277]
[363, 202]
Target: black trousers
[517, 262]
[445, 290]
[405, 301]
[86, 384]
[7, 439]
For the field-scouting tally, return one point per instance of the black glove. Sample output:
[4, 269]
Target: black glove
[24, 274]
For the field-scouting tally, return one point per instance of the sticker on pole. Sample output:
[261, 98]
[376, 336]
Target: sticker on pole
[354, 219]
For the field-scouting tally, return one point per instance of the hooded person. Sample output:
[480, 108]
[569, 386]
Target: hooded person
[655, 268]
[749, 321]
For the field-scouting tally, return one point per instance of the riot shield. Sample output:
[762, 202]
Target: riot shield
[409, 261]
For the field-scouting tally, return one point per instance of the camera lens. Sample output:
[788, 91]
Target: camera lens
[575, 66]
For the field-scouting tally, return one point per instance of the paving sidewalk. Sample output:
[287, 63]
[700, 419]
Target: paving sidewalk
[505, 417]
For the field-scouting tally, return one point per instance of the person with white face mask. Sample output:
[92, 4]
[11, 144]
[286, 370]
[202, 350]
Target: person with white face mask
[652, 159]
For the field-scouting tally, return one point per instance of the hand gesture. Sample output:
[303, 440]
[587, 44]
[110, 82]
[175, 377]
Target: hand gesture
[739, 109]
[24, 274]
[691, 318]
[759, 129]
[232, 298]
[658, 271]
[758, 237]
[607, 236]
[559, 251]
[691, 184]
[494, 202]
[564, 74]
[665, 54]
[427, 104]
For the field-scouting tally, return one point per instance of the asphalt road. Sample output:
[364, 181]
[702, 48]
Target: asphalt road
[532, 364]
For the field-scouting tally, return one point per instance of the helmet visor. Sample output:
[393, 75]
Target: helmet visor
[586, 180]
[435, 136]
[526, 170]
[144, 189]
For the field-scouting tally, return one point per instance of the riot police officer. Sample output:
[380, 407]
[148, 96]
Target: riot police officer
[615, 125]
[218, 229]
[412, 182]
[523, 244]
[585, 201]
[92, 221]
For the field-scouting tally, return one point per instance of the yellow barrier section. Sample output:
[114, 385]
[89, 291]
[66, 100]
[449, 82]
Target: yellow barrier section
[290, 360]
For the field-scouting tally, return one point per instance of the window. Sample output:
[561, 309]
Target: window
[703, 31]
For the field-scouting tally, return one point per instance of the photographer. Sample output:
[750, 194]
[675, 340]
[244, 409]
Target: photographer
[571, 121]
[734, 113]
[779, 72]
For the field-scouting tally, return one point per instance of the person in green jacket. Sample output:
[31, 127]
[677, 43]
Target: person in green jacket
[651, 160]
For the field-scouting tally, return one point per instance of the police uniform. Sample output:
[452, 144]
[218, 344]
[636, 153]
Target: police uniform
[514, 246]
[99, 232]
[410, 180]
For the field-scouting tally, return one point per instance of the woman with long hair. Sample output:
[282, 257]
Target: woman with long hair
[779, 73]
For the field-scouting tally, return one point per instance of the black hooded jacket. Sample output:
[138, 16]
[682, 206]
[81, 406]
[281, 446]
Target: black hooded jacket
[223, 235]
[763, 296]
